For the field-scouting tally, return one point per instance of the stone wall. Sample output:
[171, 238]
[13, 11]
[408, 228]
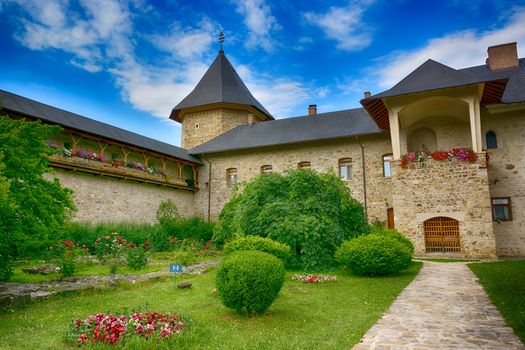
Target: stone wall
[323, 155]
[458, 190]
[202, 126]
[507, 177]
[100, 198]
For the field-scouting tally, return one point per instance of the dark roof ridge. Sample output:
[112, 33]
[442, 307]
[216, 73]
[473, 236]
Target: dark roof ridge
[71, 120]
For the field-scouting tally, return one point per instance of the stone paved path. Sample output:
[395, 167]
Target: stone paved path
[445, 307]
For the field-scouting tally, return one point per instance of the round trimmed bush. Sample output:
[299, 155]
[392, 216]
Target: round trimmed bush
[279, 250]
[374, 254]
[398, 236]
[249, 281]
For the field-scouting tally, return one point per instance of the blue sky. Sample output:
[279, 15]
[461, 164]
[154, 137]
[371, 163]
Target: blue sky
[129, 62]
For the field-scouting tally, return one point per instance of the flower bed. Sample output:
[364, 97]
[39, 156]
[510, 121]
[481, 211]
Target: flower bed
[110, 329]
[315, 278]
[460, 154]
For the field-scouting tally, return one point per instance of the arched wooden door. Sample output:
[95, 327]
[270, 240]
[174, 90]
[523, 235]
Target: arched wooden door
[442, 235]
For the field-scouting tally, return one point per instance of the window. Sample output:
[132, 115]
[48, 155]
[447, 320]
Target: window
[345, 169]
[501, 209]
[231, 177]
[304, 165]
[266, 169]
[387, 158]
[492, 141]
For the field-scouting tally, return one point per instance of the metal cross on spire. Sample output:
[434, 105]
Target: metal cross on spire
[221, 39]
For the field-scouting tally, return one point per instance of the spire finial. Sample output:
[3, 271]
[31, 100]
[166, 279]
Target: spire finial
[221, 40]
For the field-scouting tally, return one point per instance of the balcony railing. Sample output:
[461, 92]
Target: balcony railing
[121, 172]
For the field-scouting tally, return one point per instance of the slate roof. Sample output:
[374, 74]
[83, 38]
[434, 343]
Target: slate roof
[220, 84]
[515, 90]
[323, 126]
[430, 75]
[26, 106]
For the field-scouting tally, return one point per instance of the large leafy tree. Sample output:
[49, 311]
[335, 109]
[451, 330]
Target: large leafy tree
[32, 208]
[312, 213]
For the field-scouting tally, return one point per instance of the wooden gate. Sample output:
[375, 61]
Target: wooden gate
[442, 235]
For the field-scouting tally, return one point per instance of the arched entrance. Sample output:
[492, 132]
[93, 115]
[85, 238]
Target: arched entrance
[442, 235]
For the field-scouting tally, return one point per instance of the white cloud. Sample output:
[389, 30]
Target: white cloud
[280, 96]
[186, 43]
[260, 22]
[105, 41]
[458, 50]
[345, 25]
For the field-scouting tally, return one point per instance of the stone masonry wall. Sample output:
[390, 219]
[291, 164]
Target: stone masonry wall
[100, 198]
[323, 155]
[458, 190]
[200, 127]
[507, 178]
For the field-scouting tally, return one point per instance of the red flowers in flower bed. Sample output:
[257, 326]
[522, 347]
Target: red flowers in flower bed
[462, 154]
[110, 329]
[315, 278]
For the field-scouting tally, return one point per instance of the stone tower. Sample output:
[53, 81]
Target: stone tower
[219, 102]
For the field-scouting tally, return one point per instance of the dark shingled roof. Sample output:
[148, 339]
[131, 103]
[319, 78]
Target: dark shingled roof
[25, 106]
[323, 126]
[515, 90]
[220, 84]
[431, 75]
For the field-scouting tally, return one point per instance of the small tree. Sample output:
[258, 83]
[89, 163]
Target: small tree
[310, 212]
[32, 208]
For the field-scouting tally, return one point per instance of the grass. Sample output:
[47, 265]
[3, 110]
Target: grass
[504, 282]
[305, 316]
[159, 261]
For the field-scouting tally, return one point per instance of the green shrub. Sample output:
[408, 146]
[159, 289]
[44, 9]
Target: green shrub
[374, 255]
[279, 250]
[249, 281]
[398, 236]
[167, 212]
[185, 258]
[311, 213]
[6, 269]
[136, 258]
[67, 266]
[194, 227]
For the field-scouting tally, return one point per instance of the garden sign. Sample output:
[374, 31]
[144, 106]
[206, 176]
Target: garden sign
[175, 268]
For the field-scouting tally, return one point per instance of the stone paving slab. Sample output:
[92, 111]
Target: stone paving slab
[445, 307]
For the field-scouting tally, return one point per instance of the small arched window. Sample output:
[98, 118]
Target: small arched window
[266, 169]
[345, 169]
[492, 141]
[304, 165]
[231, 177]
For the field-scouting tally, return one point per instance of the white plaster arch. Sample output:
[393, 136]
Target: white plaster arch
[435, 106]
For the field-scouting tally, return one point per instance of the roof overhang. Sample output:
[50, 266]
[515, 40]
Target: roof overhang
[178, 114]
[377, 109]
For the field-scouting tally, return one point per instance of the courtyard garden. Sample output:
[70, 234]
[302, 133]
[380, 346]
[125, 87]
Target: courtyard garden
[291, 263]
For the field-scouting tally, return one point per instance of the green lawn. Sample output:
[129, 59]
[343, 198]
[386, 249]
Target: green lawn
[504, 281]
[305, 316]
[159, 261]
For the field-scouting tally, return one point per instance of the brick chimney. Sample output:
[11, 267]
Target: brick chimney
[251, 119]
[312, 109]
[367, 94]
[503, 56]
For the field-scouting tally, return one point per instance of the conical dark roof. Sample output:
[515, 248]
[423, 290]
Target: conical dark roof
[220, 84]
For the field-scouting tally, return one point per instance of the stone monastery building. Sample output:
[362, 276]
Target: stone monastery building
[455, 202]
